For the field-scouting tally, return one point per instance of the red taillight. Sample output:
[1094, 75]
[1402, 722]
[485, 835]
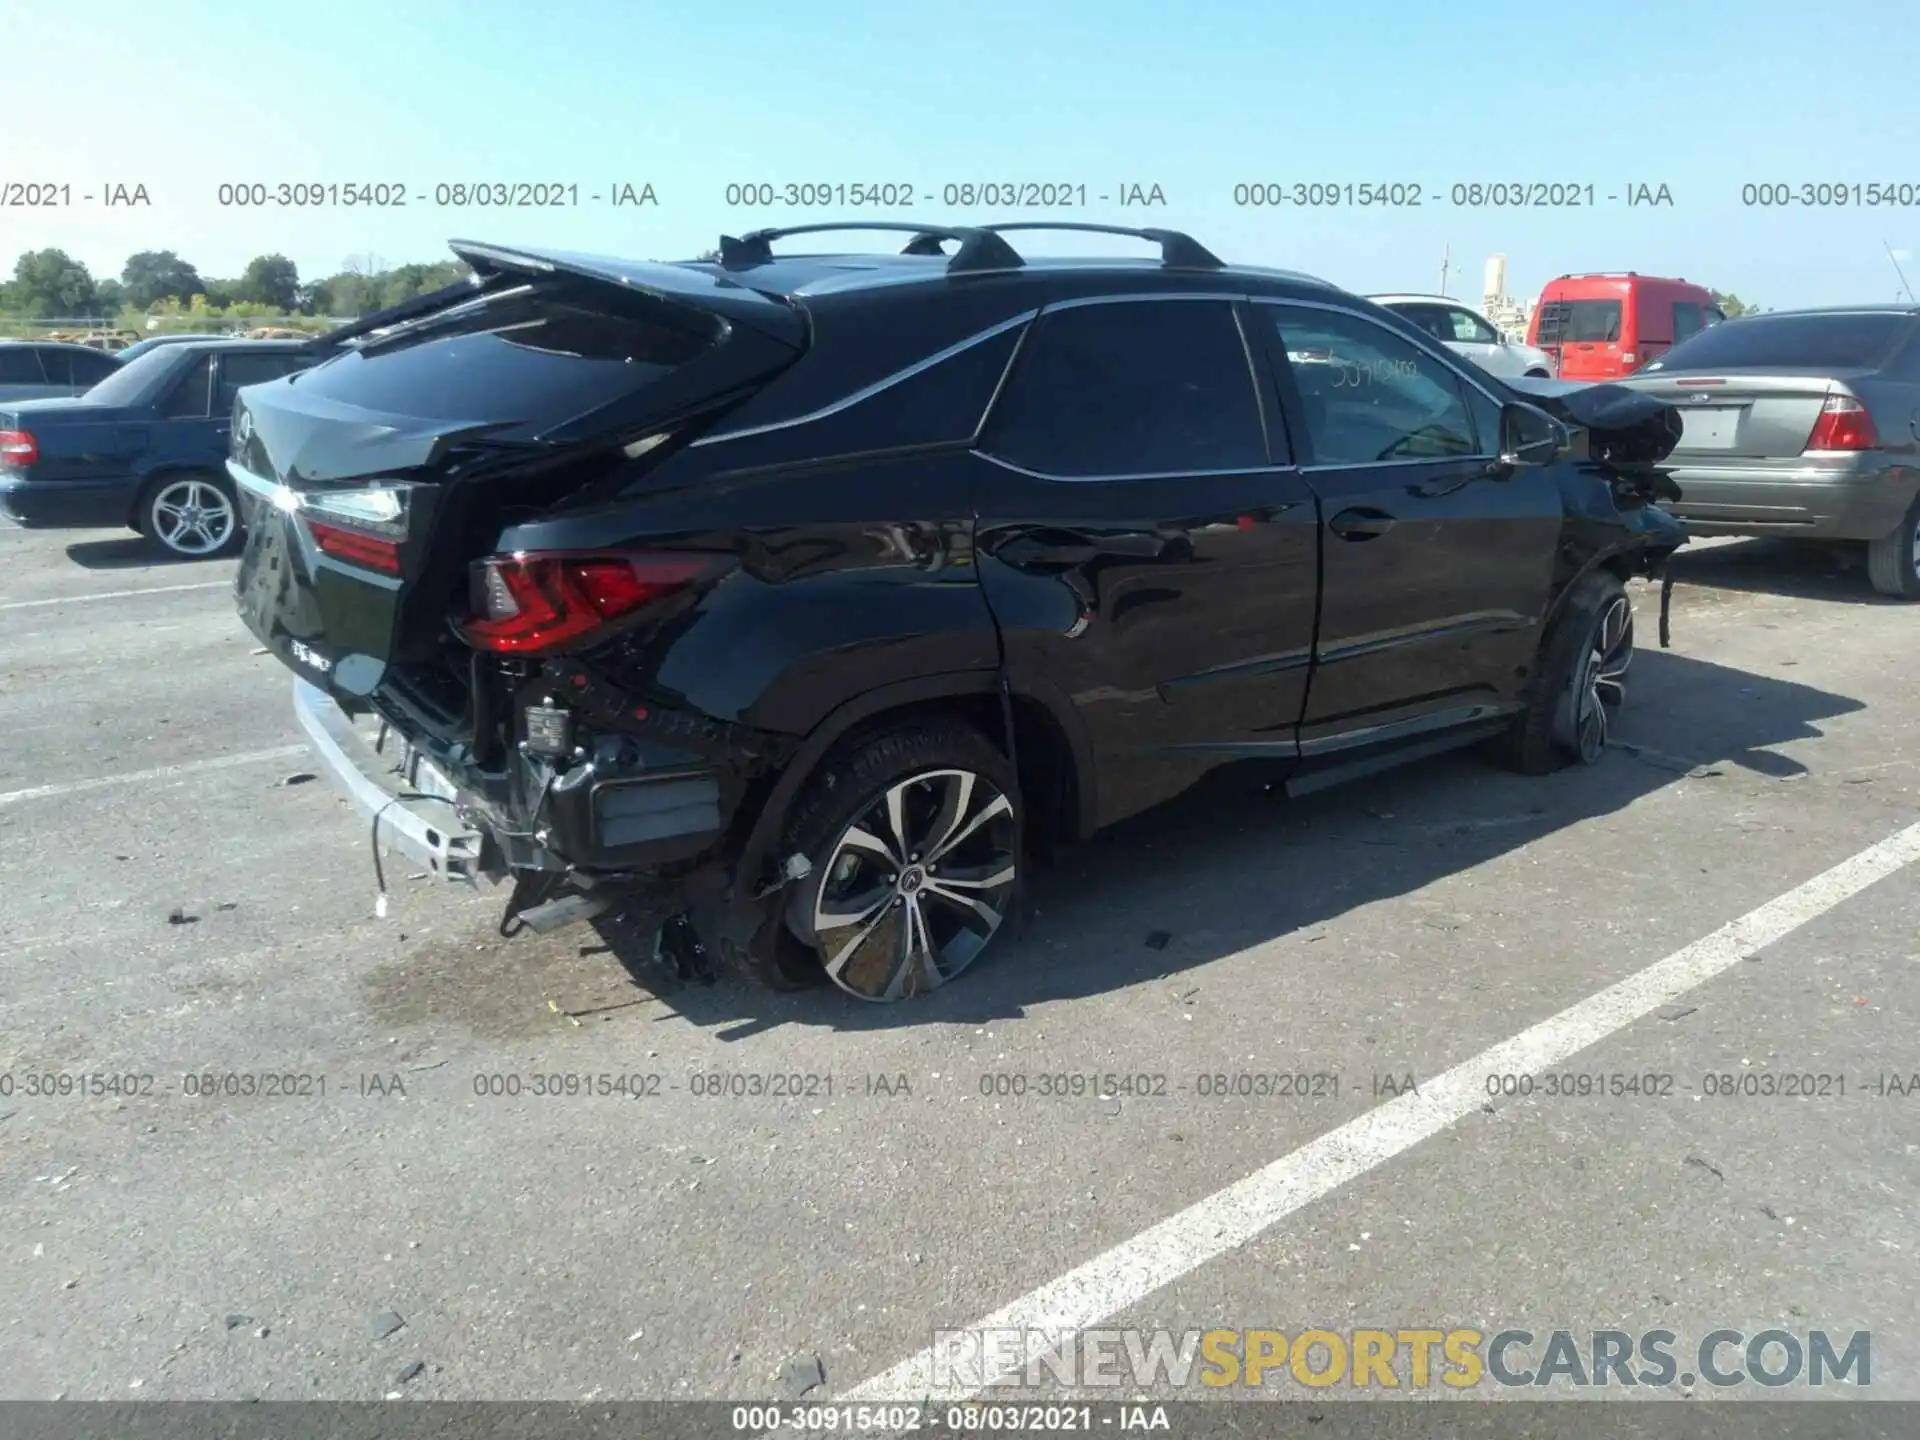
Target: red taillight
[18, 448]
[1844, 424]
[356, 547]
[530, 602]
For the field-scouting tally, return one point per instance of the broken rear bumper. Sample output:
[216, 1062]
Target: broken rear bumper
[407, 803]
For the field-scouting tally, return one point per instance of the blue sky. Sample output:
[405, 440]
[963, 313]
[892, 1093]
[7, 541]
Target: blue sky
[1195, 97]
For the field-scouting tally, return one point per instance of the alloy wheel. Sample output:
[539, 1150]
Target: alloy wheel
[192, 517]
[914, 887]
[1599, 683]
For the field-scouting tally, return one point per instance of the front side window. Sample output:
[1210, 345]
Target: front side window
[1469, 329]
[1688, 319]
[1368, 394]
[1151, 387]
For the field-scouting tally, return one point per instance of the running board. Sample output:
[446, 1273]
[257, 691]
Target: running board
[1393, 759]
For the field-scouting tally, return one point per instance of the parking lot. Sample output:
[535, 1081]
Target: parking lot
[184, 900]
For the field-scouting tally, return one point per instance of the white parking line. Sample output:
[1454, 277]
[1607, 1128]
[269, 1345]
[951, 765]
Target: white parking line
[158, 773]
[1134, 1269]
[117, 594]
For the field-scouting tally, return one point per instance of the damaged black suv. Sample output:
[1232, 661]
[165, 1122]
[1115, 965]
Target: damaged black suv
[802, 597]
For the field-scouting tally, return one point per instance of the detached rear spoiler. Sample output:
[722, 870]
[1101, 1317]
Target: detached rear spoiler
[672, 286]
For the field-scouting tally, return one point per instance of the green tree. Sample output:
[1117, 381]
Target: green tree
[155, 275]
[52, 283]
[110, 295]
[1730, 304]
[269, 280]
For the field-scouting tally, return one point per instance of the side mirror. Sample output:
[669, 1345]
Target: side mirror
[1529, 436]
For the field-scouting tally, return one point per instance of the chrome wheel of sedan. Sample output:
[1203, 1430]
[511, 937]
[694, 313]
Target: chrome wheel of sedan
[914, 887]
[1599, 683]
[191, 516]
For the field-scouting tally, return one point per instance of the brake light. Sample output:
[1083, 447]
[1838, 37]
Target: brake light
[1844, 424]
[18, 448]
[533, 602]
[356, 547]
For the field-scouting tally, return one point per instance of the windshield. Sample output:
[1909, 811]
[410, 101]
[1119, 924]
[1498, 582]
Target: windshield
[127, 384]
[1770, 342]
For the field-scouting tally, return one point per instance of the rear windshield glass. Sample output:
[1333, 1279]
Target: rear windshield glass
[1814, 342]
[129, 382]
[1579, 321]
[536, 354]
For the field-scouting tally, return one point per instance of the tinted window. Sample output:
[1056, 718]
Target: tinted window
[1370, 395]
[91, 367]
[540, 354]
[20, 365]
[1434, 319]
[187, 400]
[1579, 321]
[1688, 319]
[58, 365]
[134, 378]
[1141, 388]
[239, 371]
[1814, 342]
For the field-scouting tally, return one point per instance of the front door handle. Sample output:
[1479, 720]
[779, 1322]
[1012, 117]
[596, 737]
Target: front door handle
[1361, 524]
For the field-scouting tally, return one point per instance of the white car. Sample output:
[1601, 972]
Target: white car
[1467, 332]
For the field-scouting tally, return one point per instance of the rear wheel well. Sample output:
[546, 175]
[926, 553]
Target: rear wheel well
[1049, 780]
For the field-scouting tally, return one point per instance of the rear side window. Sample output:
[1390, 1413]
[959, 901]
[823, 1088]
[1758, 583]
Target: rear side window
[1813, 342]
[58, 365]
[1434, 319]
[187, 400]
[539, 354]
[1579, 322]
[91, 368]
[20, 365]
[1369, 395]
[1152, 387]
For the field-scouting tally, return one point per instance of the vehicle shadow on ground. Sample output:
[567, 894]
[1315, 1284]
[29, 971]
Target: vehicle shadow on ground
[1803, 569]
[129, 552]
[1227, 867]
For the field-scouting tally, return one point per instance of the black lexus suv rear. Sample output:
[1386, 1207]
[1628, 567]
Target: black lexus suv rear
[802, 596]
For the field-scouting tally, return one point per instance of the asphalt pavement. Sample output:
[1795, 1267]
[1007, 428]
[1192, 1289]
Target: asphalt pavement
[439, 1163]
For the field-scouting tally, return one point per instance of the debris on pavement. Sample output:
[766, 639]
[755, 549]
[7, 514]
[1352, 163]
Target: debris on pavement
[239, 1322]
[409, 1371]
[803, 1374]
[298, 777]
[179, 916]
[384, 1324]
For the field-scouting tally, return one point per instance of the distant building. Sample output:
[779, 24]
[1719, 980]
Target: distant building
[1507, 315]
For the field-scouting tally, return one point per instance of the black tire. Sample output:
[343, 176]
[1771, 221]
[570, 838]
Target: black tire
[910, 927]
[189, 515]
[1558, 726]
[1893, 561]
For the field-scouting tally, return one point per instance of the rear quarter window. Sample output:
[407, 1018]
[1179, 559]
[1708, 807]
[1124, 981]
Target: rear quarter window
[20, 365]
[1812, 342]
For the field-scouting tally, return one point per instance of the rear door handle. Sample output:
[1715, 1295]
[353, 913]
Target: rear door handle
[1361, 524]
